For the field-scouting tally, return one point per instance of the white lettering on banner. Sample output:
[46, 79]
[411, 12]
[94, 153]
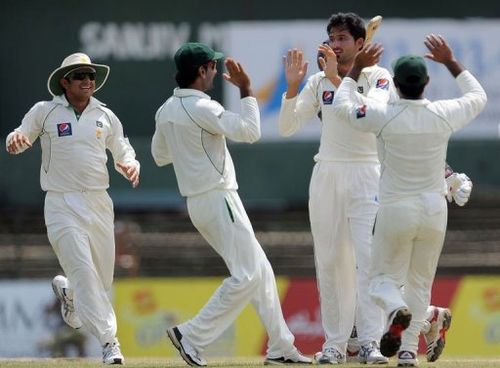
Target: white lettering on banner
[133, 41]
[211, 34]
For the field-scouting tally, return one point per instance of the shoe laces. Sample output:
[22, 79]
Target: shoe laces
[369, 348]
[111, 349]
[332, 352]
[68, 302]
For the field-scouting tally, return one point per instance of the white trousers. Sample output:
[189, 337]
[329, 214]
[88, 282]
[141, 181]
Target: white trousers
[80, 229]
[409, 236]
[221, 219]
[342, 208]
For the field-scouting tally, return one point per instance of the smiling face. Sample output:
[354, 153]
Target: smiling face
[79, 85]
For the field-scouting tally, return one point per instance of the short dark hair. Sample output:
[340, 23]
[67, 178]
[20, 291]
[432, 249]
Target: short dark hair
[186, 77]
[350, 21]
[411, 92]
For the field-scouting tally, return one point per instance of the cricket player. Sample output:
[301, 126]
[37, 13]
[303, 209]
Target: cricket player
[191, 132]
[343, 190]
[412, 136]
[438, 319]
[75, 129]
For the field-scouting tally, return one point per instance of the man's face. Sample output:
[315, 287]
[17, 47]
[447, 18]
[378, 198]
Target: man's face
[209, 75]
[80, 83]
[344, 45]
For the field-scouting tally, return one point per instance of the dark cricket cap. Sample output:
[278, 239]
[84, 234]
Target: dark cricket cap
[410, 70]
[195, 54]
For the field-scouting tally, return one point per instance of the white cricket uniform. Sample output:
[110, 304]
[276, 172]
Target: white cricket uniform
[342, 205]
[78, 211]
[191, 131]
[412, 138]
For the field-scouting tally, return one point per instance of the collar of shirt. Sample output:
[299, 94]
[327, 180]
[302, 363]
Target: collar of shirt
[186, 92]
[421, 102]
[61, 100]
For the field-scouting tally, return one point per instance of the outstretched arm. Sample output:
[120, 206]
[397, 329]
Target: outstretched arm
[440, 52]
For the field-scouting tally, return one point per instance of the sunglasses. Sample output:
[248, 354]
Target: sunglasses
[82, 75]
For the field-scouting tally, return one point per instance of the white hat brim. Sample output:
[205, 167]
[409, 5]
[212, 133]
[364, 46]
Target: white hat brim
[55, 88]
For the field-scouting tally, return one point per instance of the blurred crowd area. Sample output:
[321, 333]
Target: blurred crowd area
[160, 244]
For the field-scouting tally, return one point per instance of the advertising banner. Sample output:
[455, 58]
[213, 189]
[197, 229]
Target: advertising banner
[31, 323]
[261, 46]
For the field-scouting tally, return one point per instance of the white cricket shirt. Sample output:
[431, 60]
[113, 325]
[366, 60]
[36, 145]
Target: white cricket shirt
[412, 135]
[339, 141]
[74, 151]
[191, 131]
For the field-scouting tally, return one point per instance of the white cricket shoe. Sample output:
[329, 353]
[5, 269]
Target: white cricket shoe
[330, 356]
[370, 354]
[407, 359]
[60, 287]
[188, 352]
[435, 338]
[295, 358]
[399, 320]
[111, 354]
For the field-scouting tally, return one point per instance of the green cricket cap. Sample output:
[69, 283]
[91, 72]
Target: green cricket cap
[410, 70]
[194, 54]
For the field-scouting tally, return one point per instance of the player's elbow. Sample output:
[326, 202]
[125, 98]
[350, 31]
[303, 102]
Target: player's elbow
[254, 136]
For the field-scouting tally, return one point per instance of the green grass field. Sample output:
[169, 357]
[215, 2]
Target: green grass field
[471, 362]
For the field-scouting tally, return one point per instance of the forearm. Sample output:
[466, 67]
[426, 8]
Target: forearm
[454, 67]
[246, 91]
[292, 90]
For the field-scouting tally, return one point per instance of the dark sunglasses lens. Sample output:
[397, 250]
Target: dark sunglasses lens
[83, 75]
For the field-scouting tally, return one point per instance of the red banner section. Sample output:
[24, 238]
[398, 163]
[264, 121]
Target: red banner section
[300, 306]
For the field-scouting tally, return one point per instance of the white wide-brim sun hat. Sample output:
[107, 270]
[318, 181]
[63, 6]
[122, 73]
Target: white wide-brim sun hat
[72, 62]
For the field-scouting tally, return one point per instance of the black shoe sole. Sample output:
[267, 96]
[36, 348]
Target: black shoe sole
[175, 337]
[438, 349]
[391, 340]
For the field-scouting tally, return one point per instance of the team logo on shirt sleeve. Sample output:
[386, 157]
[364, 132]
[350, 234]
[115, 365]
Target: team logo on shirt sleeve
[360, 89]
[64, 129]
[327, 97]
[361, 112]
[382, 83]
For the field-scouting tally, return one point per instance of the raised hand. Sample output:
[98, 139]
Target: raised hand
[328, 63]
[295, 70]
[237, 75]
[439, 50]
[369, 55]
